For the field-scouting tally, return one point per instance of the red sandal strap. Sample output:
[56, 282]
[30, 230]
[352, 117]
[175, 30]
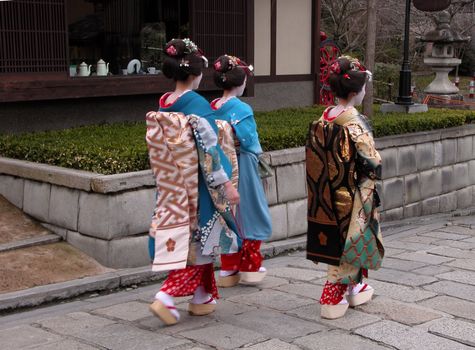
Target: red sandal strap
[209, 301]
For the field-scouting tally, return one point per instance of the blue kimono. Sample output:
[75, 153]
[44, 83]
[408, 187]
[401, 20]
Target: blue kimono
[253, 210]
[193, 103]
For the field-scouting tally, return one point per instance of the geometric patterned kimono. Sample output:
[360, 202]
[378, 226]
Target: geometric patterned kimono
[343, 221]
[181, 148]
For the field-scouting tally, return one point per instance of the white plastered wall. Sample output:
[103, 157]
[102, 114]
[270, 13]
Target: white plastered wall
[294, 37]
[262, 36]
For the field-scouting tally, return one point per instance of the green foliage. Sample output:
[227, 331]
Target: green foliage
[120, 148]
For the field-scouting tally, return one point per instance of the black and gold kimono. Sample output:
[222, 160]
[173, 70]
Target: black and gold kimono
[343, 221]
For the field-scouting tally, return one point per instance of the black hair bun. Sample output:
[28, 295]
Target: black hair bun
[175, 48]
[223, 64]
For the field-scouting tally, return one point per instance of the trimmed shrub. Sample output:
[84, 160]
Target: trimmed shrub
[121, 147]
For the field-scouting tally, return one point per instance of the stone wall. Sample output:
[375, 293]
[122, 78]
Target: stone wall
[108, 216]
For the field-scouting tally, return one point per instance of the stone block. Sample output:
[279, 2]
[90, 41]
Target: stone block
[393, 214]
[460, 331]
[296, 274]
[438, 153]
[60, 231]
[334, 339]
[471, 172]
[449, 151]
[393, 193]
[291, 184]
[118, 253]
[122, 182]
[111, 216]
[465, 149]
[432, 270]
[273, 299]
[466, 264]
[74, 323]
[274, 324]
[12, 189]
[407, 160]
[458, 276]
[454, 289]
[399, 292]
[423, 257]
[389, 159]
[306, 290]
[26, 336]
[448, 182]
[430, 206]
[408, 314]
[401, 277]
[425, 158]
[129, 252]
[461, 176]
[464, 198]
[297, 218]
[128, 311]
[224, 336]
[270, 189]
[448, 202]
[64, 207]
[412, 210]
[402, 265]
[279, 222]
[452, 306]
[273, 344]
[287, 156]
[379, 189]
[413, 188]
[403, 337]
[431, 183]
[36, 198]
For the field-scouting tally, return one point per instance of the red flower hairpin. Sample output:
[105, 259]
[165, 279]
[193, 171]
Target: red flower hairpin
[217, 66]
[171, 50]
[335, 68]
[346, 76]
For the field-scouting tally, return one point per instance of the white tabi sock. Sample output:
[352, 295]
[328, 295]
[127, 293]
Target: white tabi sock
[262, 269]
[201, 296]
[167, 300]
[226, 273]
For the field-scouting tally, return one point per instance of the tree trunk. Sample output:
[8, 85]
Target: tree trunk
[370, 53]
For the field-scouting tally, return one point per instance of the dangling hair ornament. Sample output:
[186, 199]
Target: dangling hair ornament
[184, 63]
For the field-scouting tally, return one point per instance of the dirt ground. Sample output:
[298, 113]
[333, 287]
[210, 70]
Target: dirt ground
[46, 264]
[39, 265]
[15, 226]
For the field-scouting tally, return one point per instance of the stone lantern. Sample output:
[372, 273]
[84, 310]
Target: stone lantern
[443, 57]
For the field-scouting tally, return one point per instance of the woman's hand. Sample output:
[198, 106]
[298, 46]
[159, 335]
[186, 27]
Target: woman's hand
[231, 193]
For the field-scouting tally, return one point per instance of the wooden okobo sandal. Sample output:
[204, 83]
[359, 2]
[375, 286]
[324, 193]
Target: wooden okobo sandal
[162, 311]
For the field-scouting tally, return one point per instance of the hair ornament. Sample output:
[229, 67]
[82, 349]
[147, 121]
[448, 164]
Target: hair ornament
[171, 51]
[346, 76]
[335, 67]
[190, 46]
[184, 63]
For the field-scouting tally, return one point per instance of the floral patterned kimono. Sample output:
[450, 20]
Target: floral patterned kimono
[192, 221]
[253, 214]
[343, 221]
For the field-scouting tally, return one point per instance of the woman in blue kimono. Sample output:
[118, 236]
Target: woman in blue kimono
[252, 213]
[183, 64]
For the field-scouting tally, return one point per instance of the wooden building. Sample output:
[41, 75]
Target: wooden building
[42, 43]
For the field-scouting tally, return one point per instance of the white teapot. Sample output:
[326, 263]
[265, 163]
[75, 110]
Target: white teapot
[84, 70]
[102, 68]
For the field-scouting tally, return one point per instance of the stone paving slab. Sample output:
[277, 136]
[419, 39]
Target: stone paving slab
[427, 304]
[454, 306]
[461, 331]
[329, 340]
[407, 338]
[408, 314]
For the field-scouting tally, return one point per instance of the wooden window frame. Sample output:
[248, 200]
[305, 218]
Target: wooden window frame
[15, 87]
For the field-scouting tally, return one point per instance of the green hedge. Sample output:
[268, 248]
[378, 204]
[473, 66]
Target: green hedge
[120, 148]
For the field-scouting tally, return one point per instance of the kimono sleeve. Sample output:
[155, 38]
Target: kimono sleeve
[368, 159]
[210, 145]
[246, 131]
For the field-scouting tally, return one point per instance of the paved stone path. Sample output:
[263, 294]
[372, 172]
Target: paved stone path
[425, 299]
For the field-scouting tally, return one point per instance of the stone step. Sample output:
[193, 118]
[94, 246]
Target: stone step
[30, 242]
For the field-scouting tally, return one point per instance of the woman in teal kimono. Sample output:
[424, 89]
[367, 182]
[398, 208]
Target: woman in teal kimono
[183, 64]
[252, 214]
